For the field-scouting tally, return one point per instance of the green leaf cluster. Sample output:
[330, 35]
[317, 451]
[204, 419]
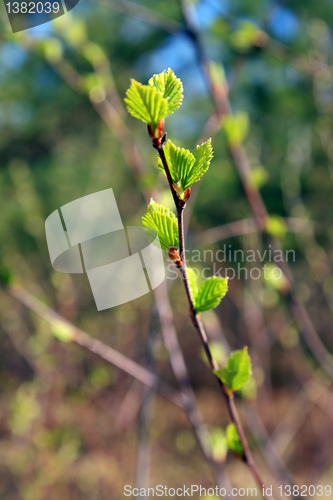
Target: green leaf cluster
[233, 440]
[186, 167]
[237, 371]
[162, 220]
[153, 102]
[170, 87]
[209, 294]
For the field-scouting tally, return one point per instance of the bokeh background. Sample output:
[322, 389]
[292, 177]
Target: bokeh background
[75, 427]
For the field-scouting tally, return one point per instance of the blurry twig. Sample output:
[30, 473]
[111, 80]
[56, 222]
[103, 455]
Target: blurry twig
[146, 15]
[146, 413]
[199, 327]
[247, 226]
[114, 121]
[179, 368]
[219, 92]
[97, 347]
[117, 126]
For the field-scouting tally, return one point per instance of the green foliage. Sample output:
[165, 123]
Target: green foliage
[62, 332]
[6, 276]
[186, 167]
[210, 293]
[25, 409]
[219, 444]
[101, 376]
[249, 390]
[246, 35]
[236, 128]
[153, 102]
[170, 87]
[53, 50]
[162, 220]
[275, 278]
[145, 103]
[233, 441]
[237, 371]
[276, 226]
[259, 176]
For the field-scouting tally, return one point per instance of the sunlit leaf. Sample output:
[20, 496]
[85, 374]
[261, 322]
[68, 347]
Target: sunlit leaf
[187, 167]
[146, 103]
[170, 87]
[162, 220]
[203, 155]
[237, 371]
[210, 293]
[233, 441]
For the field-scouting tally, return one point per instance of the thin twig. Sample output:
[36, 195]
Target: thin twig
[247, 226]
[219, 93]
[196, 320]
[115, 123]
[179, 368]
[96, 346]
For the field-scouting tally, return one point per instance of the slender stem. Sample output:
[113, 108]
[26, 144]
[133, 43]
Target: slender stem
[196, 320]
[246, 449]
[160, 150]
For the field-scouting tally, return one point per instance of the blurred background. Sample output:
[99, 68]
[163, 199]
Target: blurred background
[75, 427]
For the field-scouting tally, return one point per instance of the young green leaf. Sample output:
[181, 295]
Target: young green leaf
[210, 293]
[180, 162]
[186, 167]
[203, 155]
[237, 371]
[233, 441]
[162, 220]
[146, 103]
[170, 87]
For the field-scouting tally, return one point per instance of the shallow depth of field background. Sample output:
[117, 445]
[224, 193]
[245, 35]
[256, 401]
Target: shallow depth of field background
[70, 425]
